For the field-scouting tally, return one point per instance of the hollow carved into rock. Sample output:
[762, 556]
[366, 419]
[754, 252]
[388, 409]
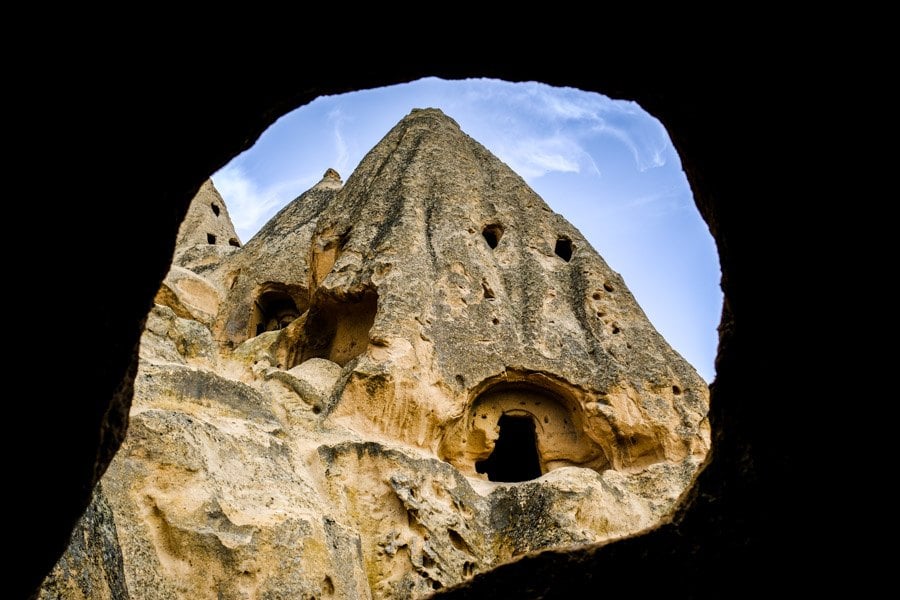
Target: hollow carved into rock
[557, 420]
[276, 306]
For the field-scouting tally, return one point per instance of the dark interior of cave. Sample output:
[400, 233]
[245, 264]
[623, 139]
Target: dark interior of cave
[563, 249]
[275, 309]
[515, 456]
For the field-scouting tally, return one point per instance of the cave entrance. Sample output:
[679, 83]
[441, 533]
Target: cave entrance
[273, 309]
[515, 456]
[338, 330]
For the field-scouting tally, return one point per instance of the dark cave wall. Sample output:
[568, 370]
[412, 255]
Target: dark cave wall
[139, 145]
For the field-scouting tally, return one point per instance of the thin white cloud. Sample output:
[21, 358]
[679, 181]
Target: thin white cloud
[593, 164]
[520, 116]
[342, 159]
[557, 106]
[658, 204]
[644, 200]
[645, 155]
[539, 163]
[251, 206]
[544, 102]
[534, 157]
[577, 116]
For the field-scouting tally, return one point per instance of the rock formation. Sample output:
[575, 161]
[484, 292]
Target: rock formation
[397, 383]
[207, 234]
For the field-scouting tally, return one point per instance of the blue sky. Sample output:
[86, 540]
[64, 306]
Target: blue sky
[606, 165]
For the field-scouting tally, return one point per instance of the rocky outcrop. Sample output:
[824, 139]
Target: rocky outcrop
[207, 234]
[91, 568]
[398, 383]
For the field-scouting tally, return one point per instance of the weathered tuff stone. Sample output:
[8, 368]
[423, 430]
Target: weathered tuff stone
[207, 233]
[91, 568]
[408, 379]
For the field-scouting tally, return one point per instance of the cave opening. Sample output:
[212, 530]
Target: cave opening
[563, 249]
[338, 330]
[515, 456]
[492, 234]
[274, 309]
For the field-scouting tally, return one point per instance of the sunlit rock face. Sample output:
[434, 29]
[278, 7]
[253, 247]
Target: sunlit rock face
[397, 383]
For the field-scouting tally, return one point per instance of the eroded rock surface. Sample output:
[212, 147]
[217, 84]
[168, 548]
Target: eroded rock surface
[397, 383]
[91, 568]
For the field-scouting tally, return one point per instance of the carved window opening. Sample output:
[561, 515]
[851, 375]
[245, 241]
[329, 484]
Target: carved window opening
[338, 330]
[234, 242]
[273, 310]
[215, 208]
[210, 238]
[515, 456]
[528, 417]
[563, 249]
[492, 234]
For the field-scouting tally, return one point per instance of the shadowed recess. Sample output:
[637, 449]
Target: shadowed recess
[563, 249]
[339, 329]
[275, 308]
[492, 234]
[515, 456]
